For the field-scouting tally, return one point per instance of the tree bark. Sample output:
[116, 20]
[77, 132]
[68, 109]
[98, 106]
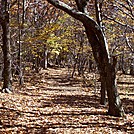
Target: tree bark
[103, 89]
[98, 6]
[4, 22]
[101, 54]
[132, 67]
[19, 60]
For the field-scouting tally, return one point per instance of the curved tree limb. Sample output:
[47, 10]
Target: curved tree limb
[74, 13]
[87, 22]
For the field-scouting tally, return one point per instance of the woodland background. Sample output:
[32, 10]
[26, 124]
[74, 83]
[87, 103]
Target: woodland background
[55, 80]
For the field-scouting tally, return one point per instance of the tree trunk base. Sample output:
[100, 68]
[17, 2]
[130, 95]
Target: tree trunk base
[116, 112]
[103, 102]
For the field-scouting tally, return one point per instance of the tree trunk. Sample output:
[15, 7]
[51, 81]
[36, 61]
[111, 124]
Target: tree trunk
[132, 67]
[1, 70]
[115, 106]
[45, 57]
[7, 86]
[4, 22]
[107, 72]
[103, 89]
[98, 6]
[21, 80]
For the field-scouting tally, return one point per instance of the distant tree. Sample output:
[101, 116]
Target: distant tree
[105, 63]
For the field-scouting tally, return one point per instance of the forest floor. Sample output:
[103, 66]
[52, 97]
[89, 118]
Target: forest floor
[50, 103]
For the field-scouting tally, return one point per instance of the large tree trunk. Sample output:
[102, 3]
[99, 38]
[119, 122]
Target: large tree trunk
[4, 21]
[107, 72]
[115, 106]
[103, 89]
[101, 54]
[7, 57]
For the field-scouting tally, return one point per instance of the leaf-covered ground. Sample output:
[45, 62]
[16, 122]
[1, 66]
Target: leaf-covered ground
[50, 103]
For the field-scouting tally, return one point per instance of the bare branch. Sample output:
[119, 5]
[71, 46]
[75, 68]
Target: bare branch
[128, 44]
[118, 22]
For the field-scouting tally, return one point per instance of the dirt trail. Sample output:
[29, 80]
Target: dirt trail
[49, 103]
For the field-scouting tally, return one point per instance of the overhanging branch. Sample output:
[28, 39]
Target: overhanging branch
[82, 17]
[89, 23]
[74, 13]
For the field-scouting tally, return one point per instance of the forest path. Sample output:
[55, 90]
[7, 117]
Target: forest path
[51, 103]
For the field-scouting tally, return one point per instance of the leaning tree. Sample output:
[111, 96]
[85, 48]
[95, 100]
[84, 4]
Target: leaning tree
[106, 64]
